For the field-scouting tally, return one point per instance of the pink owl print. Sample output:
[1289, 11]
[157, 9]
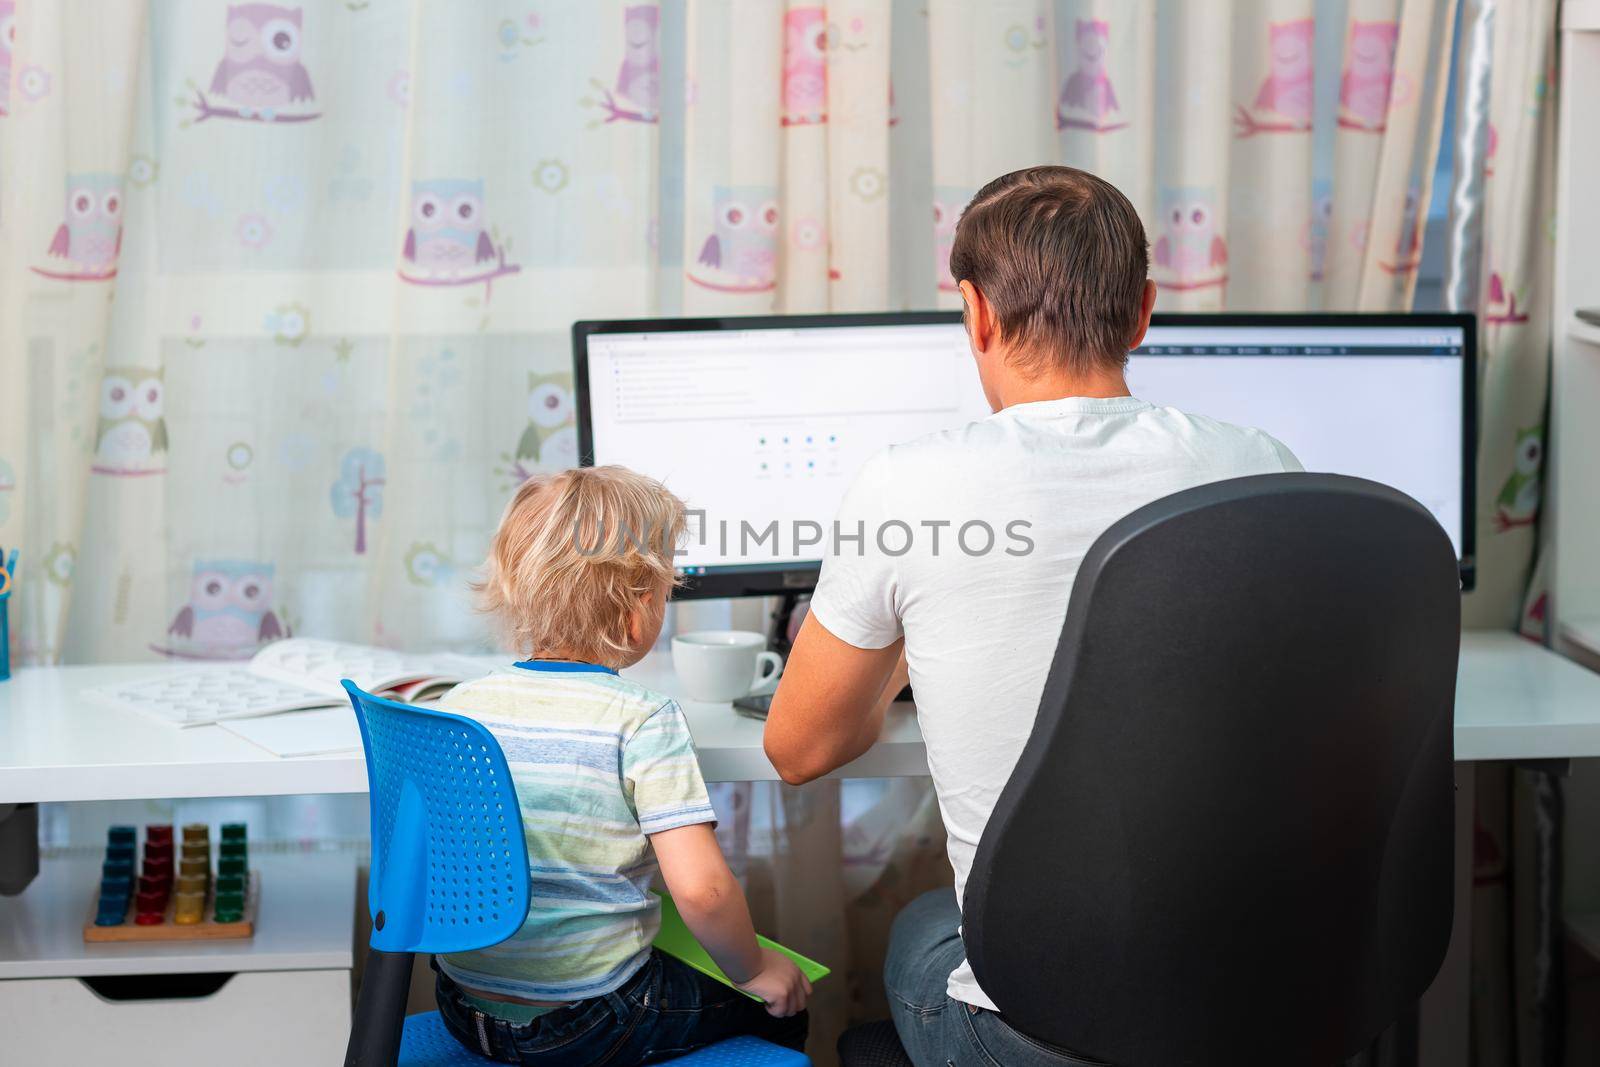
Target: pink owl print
[636, 94]
[1190, 253]
[949, 202]
[228, 614]
[805, 66]
[261, 75]
[639, 80]
[8, 44]
[1283, 103]
[741, 254]
[1368, 75]
[1087, 99]
[1501, 304]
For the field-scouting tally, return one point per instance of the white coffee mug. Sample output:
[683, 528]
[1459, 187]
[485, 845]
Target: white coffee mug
[720, 666]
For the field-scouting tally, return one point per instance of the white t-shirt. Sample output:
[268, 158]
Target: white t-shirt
[981, 615]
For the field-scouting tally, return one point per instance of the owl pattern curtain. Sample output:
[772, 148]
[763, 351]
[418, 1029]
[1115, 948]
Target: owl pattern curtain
[285, 287]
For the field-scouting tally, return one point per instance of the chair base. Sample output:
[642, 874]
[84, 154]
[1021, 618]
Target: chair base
[375, 1032]
[427, 1043]
[874, 1044]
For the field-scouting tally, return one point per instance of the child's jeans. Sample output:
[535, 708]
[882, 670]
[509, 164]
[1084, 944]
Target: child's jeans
[667, 1009]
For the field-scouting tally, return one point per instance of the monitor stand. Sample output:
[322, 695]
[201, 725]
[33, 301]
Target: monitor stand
[778, 622]
[778, 641]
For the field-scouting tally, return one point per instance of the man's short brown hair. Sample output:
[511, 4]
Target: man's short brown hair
[1062, 258]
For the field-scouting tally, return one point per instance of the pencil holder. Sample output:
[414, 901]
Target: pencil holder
[5, 635]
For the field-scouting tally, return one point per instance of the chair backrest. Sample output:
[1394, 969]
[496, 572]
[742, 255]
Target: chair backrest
[1229, 836]
[449, 861]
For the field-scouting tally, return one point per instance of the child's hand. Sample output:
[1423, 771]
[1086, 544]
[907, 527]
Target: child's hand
[779, 984]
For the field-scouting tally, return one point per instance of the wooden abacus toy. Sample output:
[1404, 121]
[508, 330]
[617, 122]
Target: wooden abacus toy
[175, 899]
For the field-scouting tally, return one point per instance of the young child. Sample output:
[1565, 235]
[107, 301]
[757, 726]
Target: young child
[579, 574]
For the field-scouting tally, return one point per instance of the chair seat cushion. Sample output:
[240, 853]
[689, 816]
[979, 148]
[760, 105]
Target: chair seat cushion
[428, 1044]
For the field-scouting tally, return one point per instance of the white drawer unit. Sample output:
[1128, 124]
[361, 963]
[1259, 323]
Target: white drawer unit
[254, 1017]
[282, 996]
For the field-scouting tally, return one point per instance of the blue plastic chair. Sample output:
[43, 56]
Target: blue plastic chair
[449, 874]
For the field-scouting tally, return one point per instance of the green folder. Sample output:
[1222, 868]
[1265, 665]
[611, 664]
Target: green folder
[676, 941]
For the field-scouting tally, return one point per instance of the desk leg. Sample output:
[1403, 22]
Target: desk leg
[1444, 1021]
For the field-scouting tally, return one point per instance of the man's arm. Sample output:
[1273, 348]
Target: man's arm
[830, 704]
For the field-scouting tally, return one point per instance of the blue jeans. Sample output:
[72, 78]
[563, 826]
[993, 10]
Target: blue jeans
[924, 947]
[664, 1010]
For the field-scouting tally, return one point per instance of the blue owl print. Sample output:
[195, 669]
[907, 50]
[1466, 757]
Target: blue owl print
[1408, 240]
[1316, 238]
[228, 615]
[90, 237]
[446, 234]
[741, 254]
[448, 240]
[1190, 253]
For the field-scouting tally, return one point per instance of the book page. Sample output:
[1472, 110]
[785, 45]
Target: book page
[199, 697]
[319, 664]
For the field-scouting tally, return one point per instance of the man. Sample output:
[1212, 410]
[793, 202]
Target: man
[1051, 263]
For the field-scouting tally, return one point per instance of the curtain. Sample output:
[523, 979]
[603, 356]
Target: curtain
[285, 288]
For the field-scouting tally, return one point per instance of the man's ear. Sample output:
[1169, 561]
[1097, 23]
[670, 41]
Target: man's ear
[981, 324]
[1147, 305]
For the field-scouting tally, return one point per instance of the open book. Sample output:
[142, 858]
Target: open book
[290, 675]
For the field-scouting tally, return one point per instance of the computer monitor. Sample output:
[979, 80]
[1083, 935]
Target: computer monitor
[762, 423]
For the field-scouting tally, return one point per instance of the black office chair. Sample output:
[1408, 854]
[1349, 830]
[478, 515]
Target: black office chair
[1229, 837]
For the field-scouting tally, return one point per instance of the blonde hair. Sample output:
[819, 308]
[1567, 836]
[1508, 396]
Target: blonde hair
[575, 556]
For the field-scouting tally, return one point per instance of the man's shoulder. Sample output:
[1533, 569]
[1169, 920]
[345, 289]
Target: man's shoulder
[941, 448]
[1250, 449]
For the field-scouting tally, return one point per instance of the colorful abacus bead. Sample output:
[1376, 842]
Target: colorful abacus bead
[159, 868]
[190, 908]
[150, 908]
[113, 911]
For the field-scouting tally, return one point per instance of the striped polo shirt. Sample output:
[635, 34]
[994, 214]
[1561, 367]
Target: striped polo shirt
[598, 763]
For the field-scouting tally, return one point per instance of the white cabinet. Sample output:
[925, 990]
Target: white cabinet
[1575, 372]
[280, 997]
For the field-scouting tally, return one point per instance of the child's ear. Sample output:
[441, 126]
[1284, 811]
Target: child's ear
[636, 619]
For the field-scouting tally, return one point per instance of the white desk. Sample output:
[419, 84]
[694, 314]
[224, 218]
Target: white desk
[1514, 701]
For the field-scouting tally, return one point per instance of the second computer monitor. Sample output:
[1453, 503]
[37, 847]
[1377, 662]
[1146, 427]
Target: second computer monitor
[762, 423]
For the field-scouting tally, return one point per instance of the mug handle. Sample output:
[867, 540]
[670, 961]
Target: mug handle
[769, 666]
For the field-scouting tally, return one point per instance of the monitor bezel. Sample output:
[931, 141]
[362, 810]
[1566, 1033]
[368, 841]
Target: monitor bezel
[761, 580]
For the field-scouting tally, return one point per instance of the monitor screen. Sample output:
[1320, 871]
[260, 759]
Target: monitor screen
[761, 424]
